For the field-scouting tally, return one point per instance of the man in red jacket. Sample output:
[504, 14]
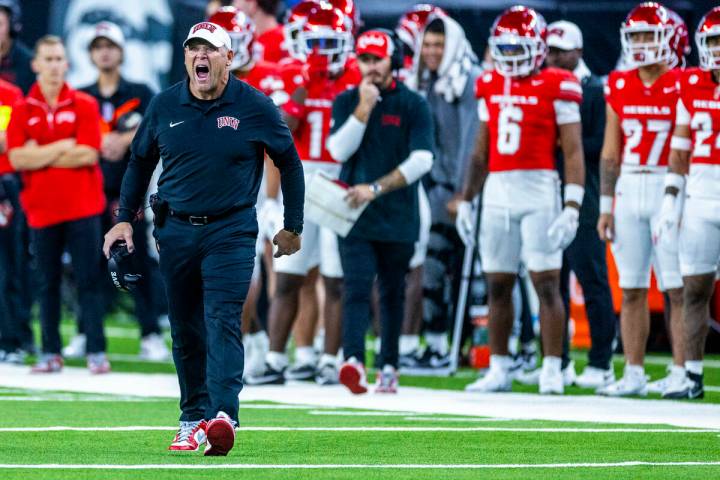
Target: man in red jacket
[53, 140]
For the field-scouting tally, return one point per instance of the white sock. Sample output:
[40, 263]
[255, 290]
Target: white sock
[327, 359]
[694, 366]
[634, 370]
[276, 360]
[437, 342]
[500, 361]
[677, 370]
[378, 344]
[553, 364]
[409, 344]
[305, 356]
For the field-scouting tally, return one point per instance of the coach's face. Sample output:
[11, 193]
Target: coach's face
[377, 70]
[207, 67]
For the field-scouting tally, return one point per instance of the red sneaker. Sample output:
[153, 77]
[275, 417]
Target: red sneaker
[352, 375]
[48, 363]
[220, 435]
[189, 437]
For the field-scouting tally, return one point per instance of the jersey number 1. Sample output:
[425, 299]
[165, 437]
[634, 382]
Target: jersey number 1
[315, 119]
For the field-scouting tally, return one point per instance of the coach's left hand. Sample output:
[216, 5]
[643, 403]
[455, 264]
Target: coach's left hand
[359, 195]
[287, 243]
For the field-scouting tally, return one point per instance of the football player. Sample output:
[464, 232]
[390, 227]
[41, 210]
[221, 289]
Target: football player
[524, 112]
[324, 42]
[695, 147]
[639, 121]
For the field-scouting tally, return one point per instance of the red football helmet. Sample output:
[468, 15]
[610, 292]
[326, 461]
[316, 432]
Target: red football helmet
[241, 30]
[651, 18]
[680, 41]
[325, 38]
[518, 41]
[707, 38]
[350, 10]
[293, 25]
[412, 22]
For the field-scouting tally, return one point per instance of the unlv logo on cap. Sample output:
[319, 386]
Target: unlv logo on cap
[377, 39]
[204, 26]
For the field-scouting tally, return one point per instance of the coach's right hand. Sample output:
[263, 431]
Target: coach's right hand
[369, 94]
[287, 243]
[606, 227]
[464, 222]
[122, 231]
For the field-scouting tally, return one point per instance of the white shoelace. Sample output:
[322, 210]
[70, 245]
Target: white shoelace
[185, 430]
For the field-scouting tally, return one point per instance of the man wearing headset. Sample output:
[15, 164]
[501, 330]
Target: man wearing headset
[382, 134]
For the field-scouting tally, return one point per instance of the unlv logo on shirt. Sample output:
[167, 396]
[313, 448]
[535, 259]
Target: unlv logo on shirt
[66, 116]
[228, 122]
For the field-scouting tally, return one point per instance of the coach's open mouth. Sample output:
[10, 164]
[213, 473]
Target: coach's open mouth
[202, 72]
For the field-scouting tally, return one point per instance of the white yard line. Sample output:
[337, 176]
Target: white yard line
[425, 401]
[403, 466]
[353, 413]
[370, 429]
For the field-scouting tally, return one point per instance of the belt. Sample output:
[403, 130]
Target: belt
[203, 219]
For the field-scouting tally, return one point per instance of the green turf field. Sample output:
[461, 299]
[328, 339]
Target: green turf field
[309, 436]
[304, 442]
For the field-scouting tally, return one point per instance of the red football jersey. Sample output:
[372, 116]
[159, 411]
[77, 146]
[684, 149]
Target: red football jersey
[700, 96]
[273, 80]
[270, 45]
[9, 94]
[522, 118]
[647, 115]
[314, 129]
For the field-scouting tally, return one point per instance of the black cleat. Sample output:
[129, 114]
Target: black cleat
[692, 389]
[269, 376]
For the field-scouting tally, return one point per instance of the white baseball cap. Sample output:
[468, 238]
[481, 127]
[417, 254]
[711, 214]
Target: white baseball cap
[211, 33]
[110, 31]
[564, 35]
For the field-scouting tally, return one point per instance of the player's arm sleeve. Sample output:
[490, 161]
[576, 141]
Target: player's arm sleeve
[144, 156]
[281, 149]
[682, 116]
[346, 132]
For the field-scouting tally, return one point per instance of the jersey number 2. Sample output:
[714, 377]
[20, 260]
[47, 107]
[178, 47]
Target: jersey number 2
[702, 125]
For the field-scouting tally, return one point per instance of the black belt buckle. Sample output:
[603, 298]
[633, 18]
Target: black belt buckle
[198, 220]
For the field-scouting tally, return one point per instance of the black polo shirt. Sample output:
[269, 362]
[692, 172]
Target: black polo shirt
[212, 153]
[128, 100]
[15, 66]
[399, 124]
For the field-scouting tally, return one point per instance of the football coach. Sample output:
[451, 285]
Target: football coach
[383, 134]
[212, 132]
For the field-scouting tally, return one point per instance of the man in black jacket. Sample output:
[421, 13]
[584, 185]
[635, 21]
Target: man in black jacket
[586, 254]
[382, 133]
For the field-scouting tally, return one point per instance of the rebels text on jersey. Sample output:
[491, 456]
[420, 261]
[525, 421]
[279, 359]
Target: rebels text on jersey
[314, 128]
[523, 114]
[646, 113]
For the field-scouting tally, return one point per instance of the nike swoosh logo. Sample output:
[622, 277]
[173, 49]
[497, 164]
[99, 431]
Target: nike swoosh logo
[176, 123]
[668, 90]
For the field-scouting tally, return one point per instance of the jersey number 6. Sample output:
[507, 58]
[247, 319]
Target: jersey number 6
[509, 120]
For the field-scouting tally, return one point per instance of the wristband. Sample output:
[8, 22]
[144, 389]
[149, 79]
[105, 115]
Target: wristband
[574, 193]
[674, 180]
[680, 143]
[606, 204]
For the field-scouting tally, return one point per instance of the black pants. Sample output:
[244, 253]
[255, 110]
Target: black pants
[586, 257]
[144, 294]
[207, 271]
[83, 241]
[361, 261]
[441, 277]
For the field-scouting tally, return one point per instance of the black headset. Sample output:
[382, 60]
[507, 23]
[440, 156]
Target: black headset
[396, 57]
[15, 14]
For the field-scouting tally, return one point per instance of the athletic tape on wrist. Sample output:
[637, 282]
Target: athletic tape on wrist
[680, 143]
[606, 204]
[574, 193]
